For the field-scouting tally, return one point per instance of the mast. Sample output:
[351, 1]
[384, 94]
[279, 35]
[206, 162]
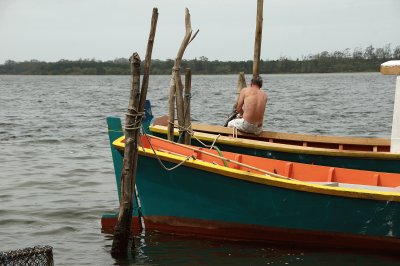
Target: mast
[258, 37]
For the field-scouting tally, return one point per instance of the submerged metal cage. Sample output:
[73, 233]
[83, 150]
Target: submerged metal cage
[36, 256]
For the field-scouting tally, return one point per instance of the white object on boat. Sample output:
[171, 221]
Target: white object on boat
[393, 68]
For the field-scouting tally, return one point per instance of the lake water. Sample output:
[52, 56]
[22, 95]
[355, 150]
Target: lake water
[57, 176]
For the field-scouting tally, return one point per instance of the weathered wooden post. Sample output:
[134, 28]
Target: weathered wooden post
[176, 87]
[241, 83]
[393, 68]
[122, 230]
[133, 123]
[179, 100]
[256, 58]
[147, 60]
[186, 104]
[258, 38]
[171, 108]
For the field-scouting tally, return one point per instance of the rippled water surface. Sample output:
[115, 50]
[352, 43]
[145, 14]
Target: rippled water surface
[56, 171]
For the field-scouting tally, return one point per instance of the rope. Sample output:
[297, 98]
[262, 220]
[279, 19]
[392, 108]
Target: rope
[188, 96]
[191, 132]
[220, 154]
[205, 145]
[212, 145]
[132, 112]
[235, 132]
[161, 163]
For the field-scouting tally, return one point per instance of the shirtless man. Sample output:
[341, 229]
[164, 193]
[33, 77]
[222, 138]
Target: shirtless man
[251, 107]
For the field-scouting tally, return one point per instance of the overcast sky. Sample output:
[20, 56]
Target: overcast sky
[51, 30]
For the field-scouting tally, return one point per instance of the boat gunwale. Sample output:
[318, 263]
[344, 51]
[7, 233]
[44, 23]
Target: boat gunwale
[213, 129]
[264, 145]
[265, 179]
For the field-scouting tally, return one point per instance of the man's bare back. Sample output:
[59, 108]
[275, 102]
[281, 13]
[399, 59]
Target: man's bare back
[251, 104]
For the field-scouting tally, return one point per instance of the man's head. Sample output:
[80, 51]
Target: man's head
[257, 81]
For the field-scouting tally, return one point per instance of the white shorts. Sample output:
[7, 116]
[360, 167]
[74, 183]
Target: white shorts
[243, 125]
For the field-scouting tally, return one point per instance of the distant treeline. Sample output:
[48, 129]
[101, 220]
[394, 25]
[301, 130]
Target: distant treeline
[358, 60]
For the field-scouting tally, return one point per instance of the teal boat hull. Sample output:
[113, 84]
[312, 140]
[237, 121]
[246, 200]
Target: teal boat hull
[191, 201]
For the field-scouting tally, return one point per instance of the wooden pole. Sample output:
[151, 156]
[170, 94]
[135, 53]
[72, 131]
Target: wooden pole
[176, 86]
[123, 228]
[133, 123]
[241, 83]
[186, 104]
[179, 100]
[147, 61]
[171, 109]
[258, 38]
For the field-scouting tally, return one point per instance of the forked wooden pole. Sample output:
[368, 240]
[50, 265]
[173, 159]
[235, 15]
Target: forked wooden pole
[258, 38]
[176, 87]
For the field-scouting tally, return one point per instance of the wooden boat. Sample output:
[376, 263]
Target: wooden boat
[371, 154]
[231, 196]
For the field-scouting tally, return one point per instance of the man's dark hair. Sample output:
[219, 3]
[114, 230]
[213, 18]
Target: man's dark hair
[257, 81]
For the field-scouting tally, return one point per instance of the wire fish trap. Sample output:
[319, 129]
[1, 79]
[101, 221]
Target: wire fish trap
[36, 256]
